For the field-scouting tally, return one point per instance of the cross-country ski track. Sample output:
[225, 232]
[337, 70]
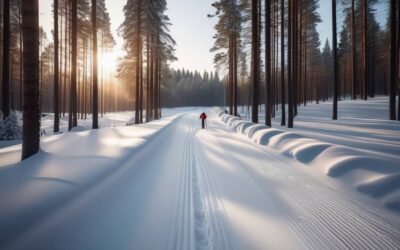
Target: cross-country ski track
[211, 189]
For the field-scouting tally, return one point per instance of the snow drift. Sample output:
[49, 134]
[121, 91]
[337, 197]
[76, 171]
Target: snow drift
[374, 174]
[67, 165]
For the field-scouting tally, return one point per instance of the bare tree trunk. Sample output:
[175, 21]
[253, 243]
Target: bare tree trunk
[353, 53]
[95, 98]
[398, 59]
[283, 90]
[56, 70]
[6, 60]
[290, 64]
[66, 57]
[268, 94]
[21, 75]
[73, 98]
[365, 50]
[148, 78]
[335, 62]
[393, 61]
[138, 52]
[31, 114]
[255, 60]
[141, 89]
[235, 75]
[151, 82]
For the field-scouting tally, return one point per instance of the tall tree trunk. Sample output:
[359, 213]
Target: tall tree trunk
[255, 67]
[283, 90]
[353, 53]
[31, 114]
[365, 50]
[21, 75]
[393, 61]
[56, 70]
[290, 64]
[141, 89]
[6, 60]
[295, 55]
[95, 99]
[235, 75]
[398, 59]
[230, 74]
[268, 79]
[74, 63]
[138, 54]
[148, 78]
[151, 113]
[66, 57]
[335, 62]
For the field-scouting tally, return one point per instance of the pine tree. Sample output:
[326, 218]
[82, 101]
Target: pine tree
[9, 128]
[335, 62]
[255, 58]
[31, 115]
[353, 52]
[73, 119]
[393, 61]
[95, 101]
[268, 61]
[6, 60]
[56, 70]
[283, 89]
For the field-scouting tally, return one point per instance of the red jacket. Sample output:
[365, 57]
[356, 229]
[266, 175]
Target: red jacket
[203, 116]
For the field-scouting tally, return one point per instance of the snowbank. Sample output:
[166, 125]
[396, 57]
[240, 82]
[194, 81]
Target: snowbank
[374, 174]
[67, 164]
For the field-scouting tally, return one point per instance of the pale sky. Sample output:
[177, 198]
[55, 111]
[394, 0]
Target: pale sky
[191, 28]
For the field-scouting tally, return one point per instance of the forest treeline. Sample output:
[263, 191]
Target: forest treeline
[66, 72]
[183, 88]
[279, 40]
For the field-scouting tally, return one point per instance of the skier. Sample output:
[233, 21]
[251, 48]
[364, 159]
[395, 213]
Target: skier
[203, 118]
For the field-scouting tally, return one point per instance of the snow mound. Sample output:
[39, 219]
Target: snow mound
[374, 174]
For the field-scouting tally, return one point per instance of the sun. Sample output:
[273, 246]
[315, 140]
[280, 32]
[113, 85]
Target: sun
[108, 61]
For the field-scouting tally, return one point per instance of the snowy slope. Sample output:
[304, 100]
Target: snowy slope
[67, 165]
[184, 188]
[360, 151]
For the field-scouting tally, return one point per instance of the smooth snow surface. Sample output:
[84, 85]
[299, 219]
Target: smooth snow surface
[170, 185]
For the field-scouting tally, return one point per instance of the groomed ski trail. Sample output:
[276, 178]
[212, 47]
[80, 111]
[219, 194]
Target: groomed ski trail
[211, 189]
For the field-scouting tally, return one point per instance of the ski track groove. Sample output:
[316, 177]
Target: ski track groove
[330, 214]
[182, 215]
[220, 230]
[321, 217]
[200, 221]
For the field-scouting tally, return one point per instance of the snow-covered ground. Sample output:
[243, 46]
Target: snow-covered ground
[169, 184]
[361, 150]
[112, 119]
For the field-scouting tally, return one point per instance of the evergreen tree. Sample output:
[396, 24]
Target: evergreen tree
[6, 60]
[31, 115]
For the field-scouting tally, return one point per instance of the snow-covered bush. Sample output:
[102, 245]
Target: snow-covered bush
[9, 128]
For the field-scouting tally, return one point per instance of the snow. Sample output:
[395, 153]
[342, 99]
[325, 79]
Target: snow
[169, 184]
[361, 150]
[112, 119]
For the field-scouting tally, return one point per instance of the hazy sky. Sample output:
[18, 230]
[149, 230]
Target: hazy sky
[191, 28]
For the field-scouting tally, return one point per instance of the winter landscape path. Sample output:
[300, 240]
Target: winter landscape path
[212, 189]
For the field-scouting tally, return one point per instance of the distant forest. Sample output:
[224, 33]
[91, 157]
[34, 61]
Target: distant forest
[183, 88]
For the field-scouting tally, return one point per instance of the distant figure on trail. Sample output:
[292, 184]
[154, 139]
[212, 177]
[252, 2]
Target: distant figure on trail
[203, 118]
